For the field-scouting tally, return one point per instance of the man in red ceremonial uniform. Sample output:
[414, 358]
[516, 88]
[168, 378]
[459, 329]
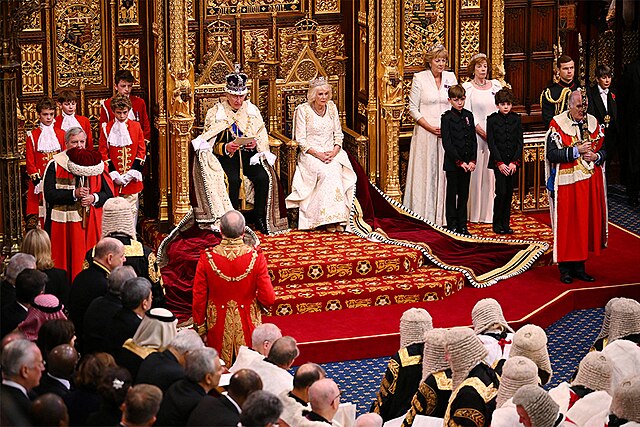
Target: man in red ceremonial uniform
[574, 158]
[76, 185]
[124, 151]
[42, 143]
[67, 101]
[124, 83]
[231, 280]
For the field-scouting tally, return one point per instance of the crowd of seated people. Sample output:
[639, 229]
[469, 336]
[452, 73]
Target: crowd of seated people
[155, 374]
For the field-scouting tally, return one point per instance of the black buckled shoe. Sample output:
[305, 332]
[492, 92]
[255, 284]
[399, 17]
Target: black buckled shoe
[566, 278]
[581, 275]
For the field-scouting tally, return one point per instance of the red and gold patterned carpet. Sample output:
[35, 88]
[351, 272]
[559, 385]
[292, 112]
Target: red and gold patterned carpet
[321, 272]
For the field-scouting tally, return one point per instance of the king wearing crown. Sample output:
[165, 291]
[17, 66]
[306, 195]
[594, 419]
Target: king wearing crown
[235, 132]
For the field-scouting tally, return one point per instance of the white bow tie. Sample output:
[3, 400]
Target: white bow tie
[48, 142]
[604, 91]
[119, 135]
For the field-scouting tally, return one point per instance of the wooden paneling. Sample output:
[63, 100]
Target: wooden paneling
[530, 32]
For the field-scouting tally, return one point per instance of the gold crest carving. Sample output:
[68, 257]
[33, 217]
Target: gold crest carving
[127, 12]
[79, 42]
[424, 25]
[129, 57]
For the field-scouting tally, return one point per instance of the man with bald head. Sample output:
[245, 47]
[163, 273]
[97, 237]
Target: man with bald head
[231, 280]
[575, 156]
[369, 420]
[92, 283]
[296, 401]
[225, 410]
[61, 364]
[324, 397]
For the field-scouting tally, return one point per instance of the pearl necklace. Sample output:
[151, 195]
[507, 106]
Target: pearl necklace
[481, 84]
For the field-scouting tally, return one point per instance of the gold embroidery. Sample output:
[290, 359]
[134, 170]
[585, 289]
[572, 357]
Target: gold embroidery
[143, 352]
[134, 248]
[212, 315]
[291, 274]
[442, 381]
[474, 415]
[406, 360]
[394, 368]
[232, 248]
[216, 270]
[486, 392]
[85, 264]
[559, 103]
[233, 336]
[154, 272]
[254, 314]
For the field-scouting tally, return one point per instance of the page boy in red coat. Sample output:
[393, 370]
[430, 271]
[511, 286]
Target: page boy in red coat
[67, 102]
[41, 145]
[123, 149]
[138, 112]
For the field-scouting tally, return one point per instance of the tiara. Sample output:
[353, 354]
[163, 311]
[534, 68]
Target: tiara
[320, 81]
[478, 56]
[437, 46]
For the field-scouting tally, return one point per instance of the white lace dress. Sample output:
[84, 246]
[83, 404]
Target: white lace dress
[426, 181]
[323, 192]
[483, 182]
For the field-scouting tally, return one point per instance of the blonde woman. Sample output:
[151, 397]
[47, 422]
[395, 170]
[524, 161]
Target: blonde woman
[37, 243]
[481, 92]
[426, 181]
[324, 182]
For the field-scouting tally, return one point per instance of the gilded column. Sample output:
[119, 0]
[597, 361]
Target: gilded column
[497, 39]
[372, 104]
[164, 169]
[15, 14]
[180, 83]
[390, 70]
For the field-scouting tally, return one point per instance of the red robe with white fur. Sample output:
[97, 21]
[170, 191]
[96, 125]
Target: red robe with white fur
[124, 159]
[36, 162]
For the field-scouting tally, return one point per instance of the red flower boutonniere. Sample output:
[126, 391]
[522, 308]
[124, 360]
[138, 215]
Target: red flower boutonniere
[613, 96]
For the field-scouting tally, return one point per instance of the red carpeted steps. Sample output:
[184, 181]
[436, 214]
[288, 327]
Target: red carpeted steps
[319, 271]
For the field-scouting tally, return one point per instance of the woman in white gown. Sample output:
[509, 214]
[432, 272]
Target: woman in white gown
[324, 182]
[426, 181]
[481, 102]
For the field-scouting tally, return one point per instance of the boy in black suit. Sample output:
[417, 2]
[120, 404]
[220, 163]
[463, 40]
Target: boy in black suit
[602, 105]
[505, 140]
[459, 141]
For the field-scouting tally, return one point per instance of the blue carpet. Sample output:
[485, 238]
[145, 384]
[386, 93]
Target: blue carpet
[620, 213]
[569, 339]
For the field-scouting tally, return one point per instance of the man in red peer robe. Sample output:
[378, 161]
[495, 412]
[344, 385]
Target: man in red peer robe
[231, 280]
[76, 185]
[574, 157]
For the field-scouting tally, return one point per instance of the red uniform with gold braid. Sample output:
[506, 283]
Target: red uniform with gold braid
[84, 122]
[125, 158]
[74, 229]
[579, 205]
[138, 113]
[36, 161]
[231, 279]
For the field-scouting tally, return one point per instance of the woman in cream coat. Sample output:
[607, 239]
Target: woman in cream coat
[481, 102]
[324, 182]
[426, 182]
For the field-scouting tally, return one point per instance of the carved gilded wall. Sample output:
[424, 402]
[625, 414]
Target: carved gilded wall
[82, 42]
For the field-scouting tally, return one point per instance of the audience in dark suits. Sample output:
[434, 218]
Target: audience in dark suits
[203, 371]
[28, 284]
[102, 310]
[163, 368]
[136, 300]
[224, 411]
[61, 365]
[22, 368]
[91, 283]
